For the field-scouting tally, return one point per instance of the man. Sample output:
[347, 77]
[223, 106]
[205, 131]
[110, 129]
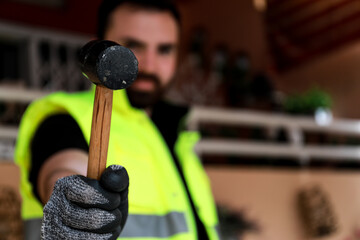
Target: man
[169, 196]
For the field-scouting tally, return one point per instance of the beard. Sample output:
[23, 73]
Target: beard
[145, 99]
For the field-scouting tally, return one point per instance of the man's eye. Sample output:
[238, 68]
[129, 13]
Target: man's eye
[164, 50]
[132, 45]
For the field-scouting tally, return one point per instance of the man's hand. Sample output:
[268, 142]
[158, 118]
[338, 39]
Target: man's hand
[84, 208]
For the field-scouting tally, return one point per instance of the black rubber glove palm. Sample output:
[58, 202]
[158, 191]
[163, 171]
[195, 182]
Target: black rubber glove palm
[82, 208]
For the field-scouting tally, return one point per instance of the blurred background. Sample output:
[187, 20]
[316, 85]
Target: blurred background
[274, 85]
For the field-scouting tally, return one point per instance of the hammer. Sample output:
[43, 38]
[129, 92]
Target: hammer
[109, 66]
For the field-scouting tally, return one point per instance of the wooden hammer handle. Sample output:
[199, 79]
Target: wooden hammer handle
[100, 131]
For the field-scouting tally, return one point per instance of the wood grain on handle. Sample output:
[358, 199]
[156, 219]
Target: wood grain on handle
[100, 131]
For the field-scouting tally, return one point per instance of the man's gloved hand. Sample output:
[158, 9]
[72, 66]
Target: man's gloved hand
[84, 209]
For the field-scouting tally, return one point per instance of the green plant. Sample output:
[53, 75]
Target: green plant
[307, 102]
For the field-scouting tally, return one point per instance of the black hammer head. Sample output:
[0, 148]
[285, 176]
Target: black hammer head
[109, 64]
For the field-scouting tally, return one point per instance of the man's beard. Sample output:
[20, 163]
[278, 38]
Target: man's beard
[145, 99]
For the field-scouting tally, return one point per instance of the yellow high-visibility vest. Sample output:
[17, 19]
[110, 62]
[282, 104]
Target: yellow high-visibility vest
[158, 203]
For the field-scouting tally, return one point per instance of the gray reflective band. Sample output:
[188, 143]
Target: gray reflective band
[32, 229]
[218, 231]
[155, 225]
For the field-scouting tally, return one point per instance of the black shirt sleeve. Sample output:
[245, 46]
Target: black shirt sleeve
[56, 133]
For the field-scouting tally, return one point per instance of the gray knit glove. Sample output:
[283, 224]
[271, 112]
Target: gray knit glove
[86, 209]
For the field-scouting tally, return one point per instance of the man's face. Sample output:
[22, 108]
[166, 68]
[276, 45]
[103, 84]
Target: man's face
[153, 37]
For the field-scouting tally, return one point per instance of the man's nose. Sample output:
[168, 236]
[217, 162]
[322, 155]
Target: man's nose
[148, 62]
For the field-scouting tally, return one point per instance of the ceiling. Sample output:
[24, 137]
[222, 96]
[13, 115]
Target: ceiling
[301, 30]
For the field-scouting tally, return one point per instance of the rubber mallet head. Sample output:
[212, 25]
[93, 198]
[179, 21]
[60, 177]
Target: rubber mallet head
[108, 64]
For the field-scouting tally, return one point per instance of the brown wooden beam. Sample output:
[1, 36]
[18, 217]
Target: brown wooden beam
[318, 15]
[274, 15]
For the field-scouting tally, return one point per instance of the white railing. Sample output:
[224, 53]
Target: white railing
[20, 95]
[293, 125]
[59, 75]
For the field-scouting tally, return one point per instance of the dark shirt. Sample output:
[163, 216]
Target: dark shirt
[60, 132]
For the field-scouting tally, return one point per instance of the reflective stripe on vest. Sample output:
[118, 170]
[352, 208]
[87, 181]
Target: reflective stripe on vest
[154, 225]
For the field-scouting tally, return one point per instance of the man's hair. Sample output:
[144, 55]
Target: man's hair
[108, 6]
